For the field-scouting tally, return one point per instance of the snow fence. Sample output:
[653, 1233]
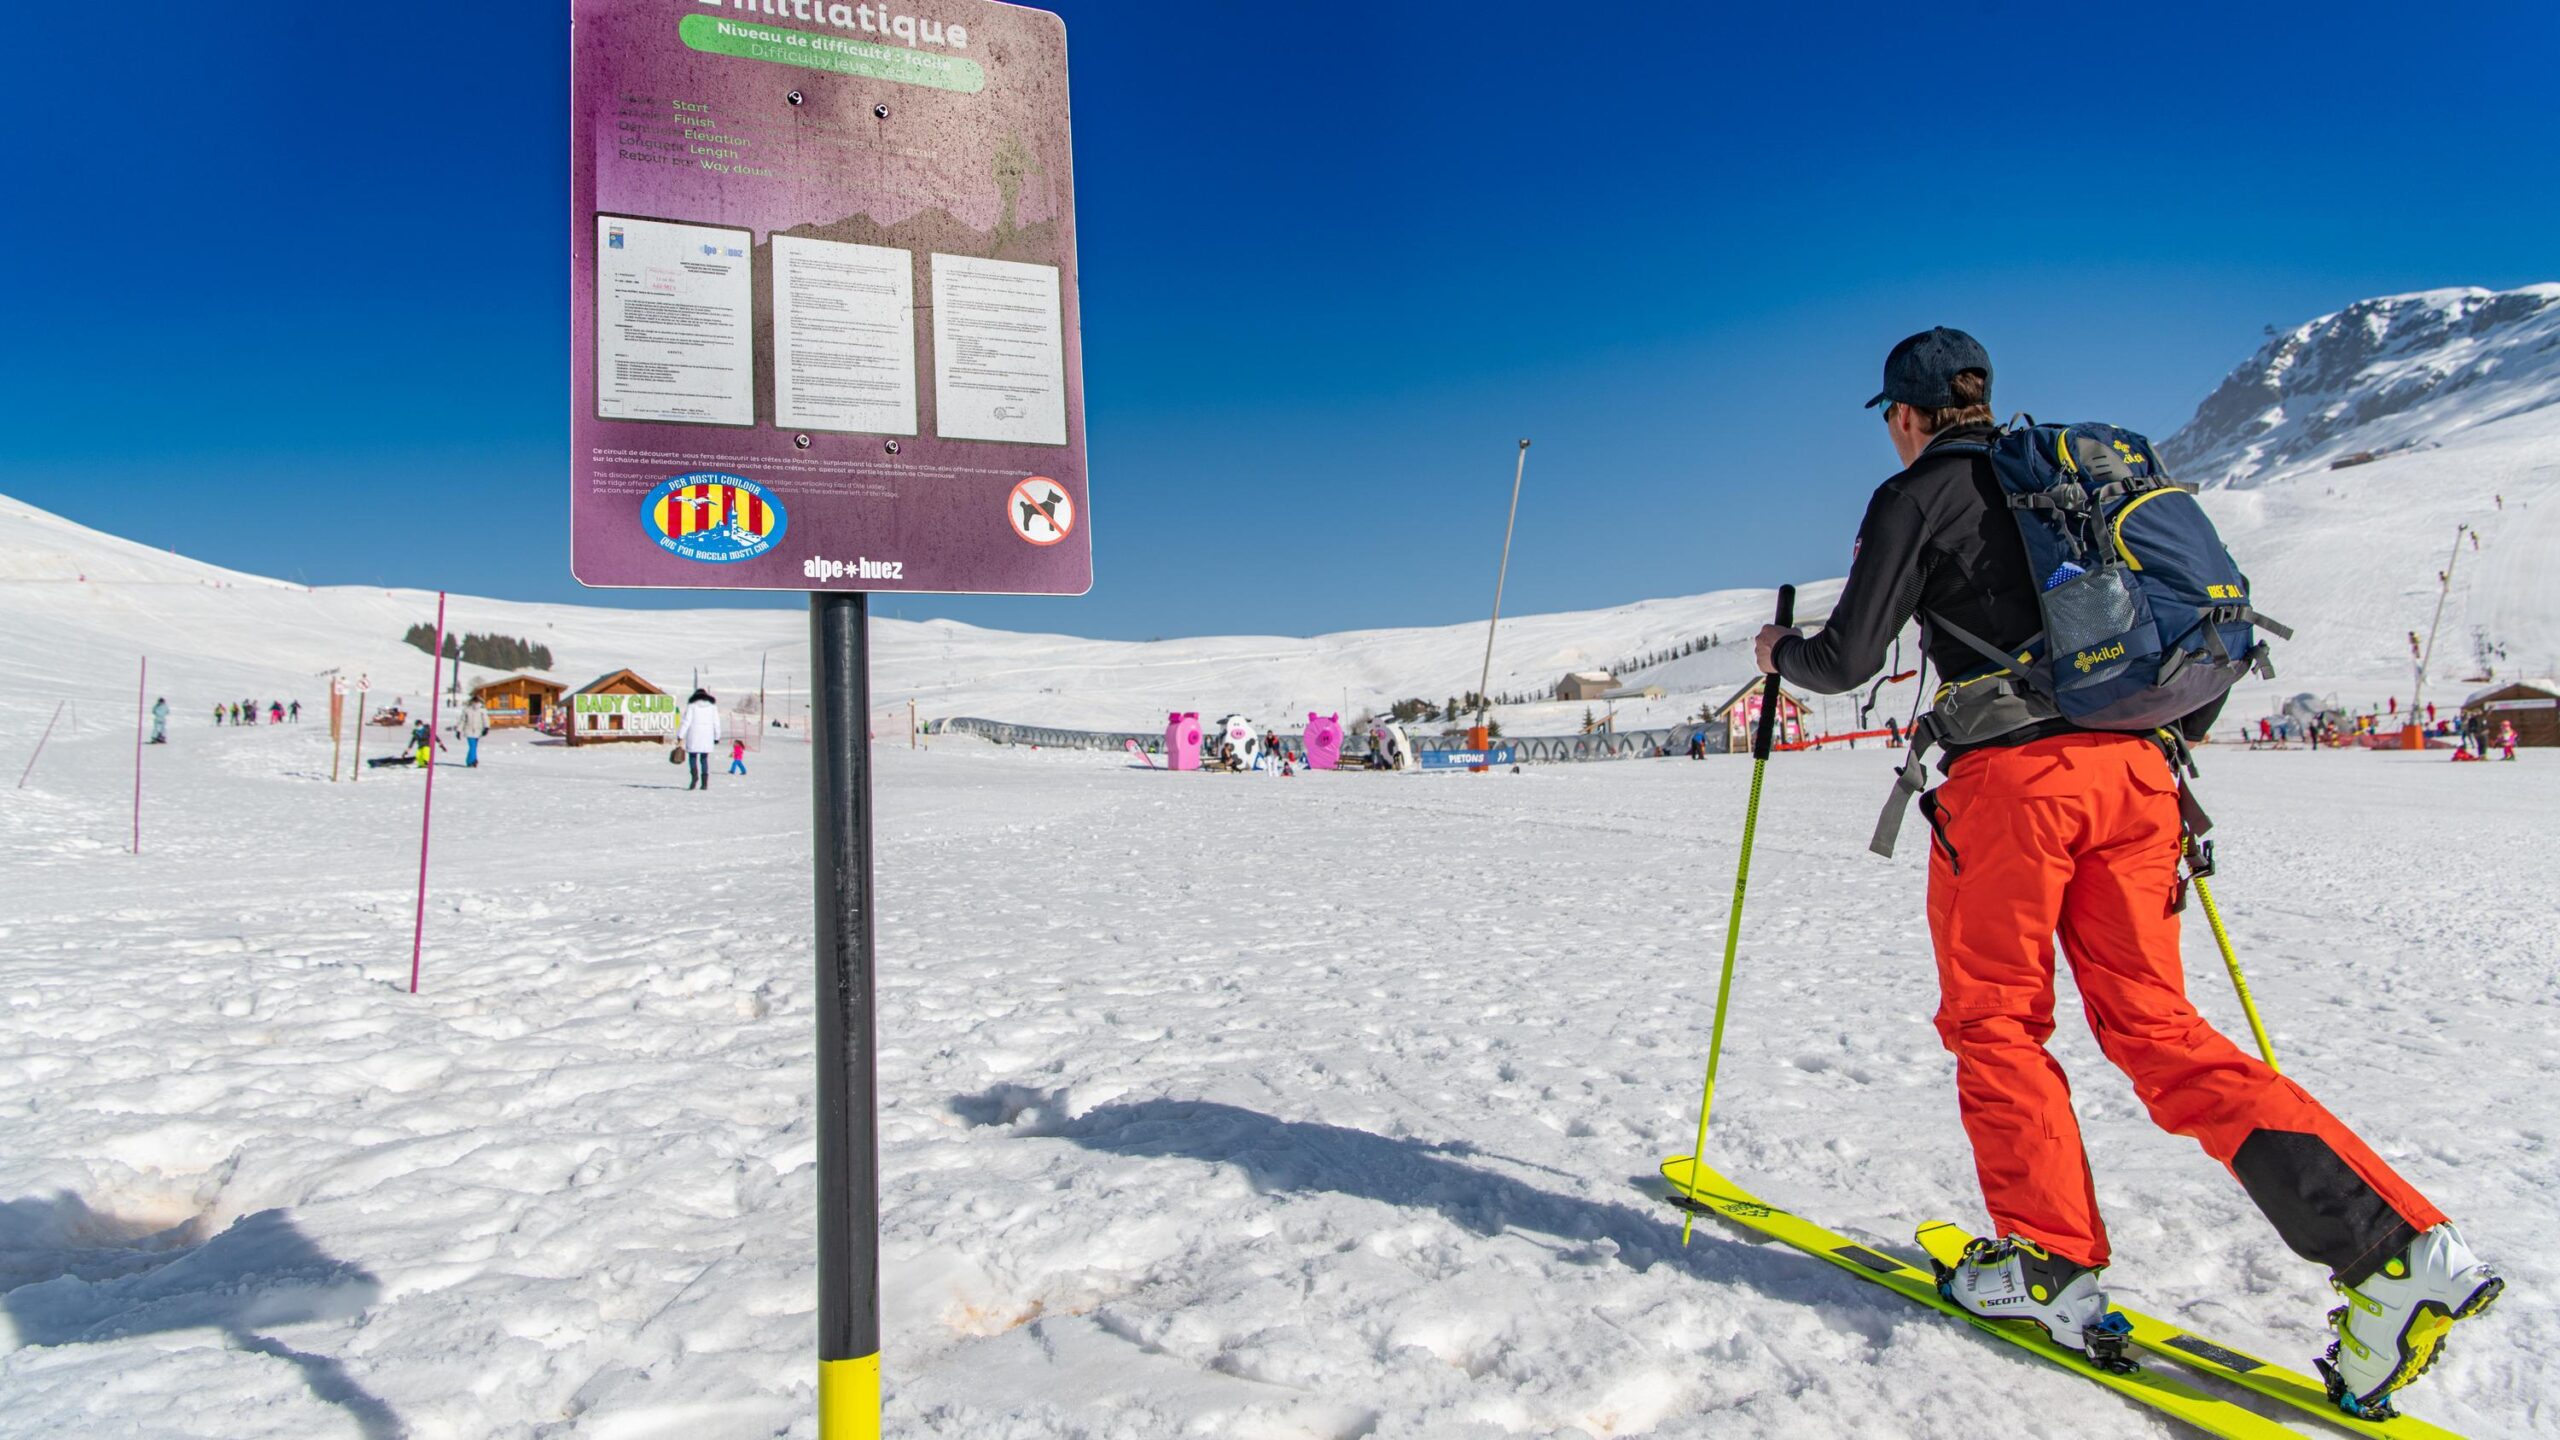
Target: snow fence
[1532, 749]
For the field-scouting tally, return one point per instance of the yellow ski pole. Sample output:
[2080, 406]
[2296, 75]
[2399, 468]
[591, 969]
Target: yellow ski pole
[1760, 738]
[2199, 867]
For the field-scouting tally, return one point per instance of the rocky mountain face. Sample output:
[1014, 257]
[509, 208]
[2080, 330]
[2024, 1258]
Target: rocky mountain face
[2396, 373]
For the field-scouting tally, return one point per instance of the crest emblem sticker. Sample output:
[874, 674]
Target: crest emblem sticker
[713, 517]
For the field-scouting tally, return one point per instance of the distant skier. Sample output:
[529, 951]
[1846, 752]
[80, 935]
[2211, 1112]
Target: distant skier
[698, 732]
[294, 711]
[2045, 827]
[471, 727]
[217, 715]
[2506, 739]
[160, 721]
[737, 757]
[275, 712]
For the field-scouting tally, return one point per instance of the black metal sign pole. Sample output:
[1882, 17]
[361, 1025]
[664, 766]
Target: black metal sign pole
[848, 1099]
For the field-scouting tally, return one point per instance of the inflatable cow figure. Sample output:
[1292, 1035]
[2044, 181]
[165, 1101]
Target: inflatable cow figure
[1238, 745]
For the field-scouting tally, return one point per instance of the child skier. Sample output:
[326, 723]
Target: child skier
[2506, 739]
[737, 757]
[2046, 827]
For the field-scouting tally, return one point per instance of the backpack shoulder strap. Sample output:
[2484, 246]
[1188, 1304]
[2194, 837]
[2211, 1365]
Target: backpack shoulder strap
[2025, 673]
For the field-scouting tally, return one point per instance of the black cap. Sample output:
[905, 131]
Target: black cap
[1921, 371]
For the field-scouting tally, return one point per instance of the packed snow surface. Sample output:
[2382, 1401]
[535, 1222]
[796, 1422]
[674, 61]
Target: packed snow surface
[1233, 1106]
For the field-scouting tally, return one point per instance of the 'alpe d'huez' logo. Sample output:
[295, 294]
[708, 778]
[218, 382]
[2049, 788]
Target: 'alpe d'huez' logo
[713, 517]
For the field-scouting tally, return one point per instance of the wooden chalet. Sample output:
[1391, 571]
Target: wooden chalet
[2532, 706]
[520, 699]
[1741, 713]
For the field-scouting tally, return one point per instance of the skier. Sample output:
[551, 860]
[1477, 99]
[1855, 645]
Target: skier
[275, 712]
[737, 757]
[294, 711]
[217, 715]
[473, 725]
[2506, 739]
[2047, 827]
[698, 732]
[160, 721]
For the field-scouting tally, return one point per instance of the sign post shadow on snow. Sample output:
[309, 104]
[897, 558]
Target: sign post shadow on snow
[824, 338]
[72, 1276]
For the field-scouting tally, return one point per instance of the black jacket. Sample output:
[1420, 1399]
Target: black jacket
[1938, 540]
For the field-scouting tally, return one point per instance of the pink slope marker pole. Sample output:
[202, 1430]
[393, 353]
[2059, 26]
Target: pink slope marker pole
[47, 735]
[426, 821]
[141, 712]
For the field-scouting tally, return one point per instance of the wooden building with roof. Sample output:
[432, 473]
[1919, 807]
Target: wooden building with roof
[2531, 705]
[621, 706]
[1741, 715]
[1586, 685]
[524, 698]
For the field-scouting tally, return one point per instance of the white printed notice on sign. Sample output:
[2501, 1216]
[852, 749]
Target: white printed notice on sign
[999, 368]
[844, 340]
[674, 318]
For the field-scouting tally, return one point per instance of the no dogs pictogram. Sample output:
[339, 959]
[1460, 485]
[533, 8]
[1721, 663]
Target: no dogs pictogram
[1040, 512]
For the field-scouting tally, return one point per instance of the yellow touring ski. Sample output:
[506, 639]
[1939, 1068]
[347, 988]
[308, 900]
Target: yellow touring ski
[1945, 1243]
[1701, 1189]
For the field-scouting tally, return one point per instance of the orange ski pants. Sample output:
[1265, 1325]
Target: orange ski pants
[2080, 834]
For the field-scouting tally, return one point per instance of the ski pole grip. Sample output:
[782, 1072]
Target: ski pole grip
[1767, 729]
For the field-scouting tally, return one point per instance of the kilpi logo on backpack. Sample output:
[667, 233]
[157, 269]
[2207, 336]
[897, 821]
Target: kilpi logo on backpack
[713, 517]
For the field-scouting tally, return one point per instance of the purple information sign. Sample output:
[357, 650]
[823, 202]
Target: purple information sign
[823, 320]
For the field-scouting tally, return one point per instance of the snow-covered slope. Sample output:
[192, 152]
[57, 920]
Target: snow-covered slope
[2387, 374]
[2454, 385]
[214, 634]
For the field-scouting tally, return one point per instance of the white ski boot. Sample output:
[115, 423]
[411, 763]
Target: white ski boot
[2017, 1279]
[2393, 1324]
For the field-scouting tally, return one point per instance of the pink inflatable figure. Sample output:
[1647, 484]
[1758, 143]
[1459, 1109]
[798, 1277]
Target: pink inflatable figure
[1323, 741]
[1182, 740]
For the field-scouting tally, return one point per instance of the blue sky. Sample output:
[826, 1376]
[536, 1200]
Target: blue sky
[1336, 259]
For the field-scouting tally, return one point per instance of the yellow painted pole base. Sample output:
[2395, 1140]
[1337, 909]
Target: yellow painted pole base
[849, 1399]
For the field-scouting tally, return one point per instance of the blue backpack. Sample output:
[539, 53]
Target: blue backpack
[2146, 617]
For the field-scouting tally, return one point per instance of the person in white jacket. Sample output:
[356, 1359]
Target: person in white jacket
[699, 732]
[473, 725]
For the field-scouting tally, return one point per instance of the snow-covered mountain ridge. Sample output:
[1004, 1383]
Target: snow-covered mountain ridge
[2387, 374]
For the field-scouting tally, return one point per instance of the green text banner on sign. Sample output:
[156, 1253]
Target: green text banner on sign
[832, 53]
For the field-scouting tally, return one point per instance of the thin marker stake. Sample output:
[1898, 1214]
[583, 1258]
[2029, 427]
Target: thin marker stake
[47, 735]
[141, 694]
[427, 819]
